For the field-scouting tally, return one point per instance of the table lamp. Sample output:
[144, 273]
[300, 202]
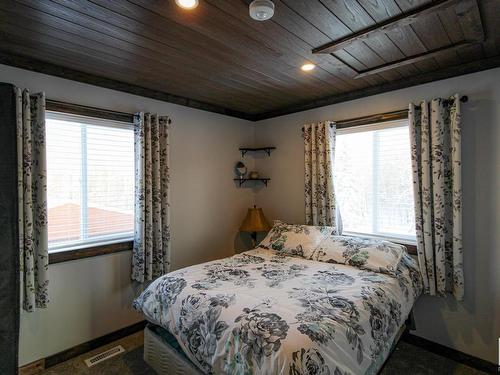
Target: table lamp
[254, 222]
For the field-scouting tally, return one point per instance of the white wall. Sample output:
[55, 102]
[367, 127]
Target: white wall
[92, 297]
[472, 326]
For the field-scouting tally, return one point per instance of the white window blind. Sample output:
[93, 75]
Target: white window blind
[373, 180]
[90, 180]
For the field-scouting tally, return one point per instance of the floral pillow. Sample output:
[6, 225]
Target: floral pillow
[366, 253]
[294, 239]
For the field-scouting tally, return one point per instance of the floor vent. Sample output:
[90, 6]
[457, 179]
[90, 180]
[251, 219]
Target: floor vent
[92, 361]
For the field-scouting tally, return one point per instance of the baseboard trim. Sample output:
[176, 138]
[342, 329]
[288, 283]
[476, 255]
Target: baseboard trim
[453, 354]
[91, 345]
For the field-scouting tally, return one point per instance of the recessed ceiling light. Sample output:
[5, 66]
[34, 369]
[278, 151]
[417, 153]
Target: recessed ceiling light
[308, 67]
[187, 4]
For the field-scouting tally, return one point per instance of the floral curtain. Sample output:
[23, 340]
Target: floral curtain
[320, 204]
[436, 162]
[151, 253]
[32, 198]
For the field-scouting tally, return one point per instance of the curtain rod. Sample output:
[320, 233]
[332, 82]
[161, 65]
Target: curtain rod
[380, 117]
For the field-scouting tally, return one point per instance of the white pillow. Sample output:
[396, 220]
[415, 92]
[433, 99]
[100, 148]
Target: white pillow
[294, 239]
[365, 253]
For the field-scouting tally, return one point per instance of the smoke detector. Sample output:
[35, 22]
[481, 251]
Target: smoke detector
[261, 10]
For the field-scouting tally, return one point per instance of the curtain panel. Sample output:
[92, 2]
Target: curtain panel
[320, 201]
[151, 252]
[32, 198]
[435, 136]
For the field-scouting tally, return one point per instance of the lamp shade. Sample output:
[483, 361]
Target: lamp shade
[255, 221]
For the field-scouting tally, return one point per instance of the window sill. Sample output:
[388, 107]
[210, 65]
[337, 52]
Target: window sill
[88, 252]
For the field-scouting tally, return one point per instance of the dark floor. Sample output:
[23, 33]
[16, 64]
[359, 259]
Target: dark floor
[407, 359]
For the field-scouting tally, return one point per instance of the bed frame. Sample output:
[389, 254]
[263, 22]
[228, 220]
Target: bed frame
[164, 359]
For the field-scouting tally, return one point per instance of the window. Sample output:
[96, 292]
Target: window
[90, 181]
[373, 180]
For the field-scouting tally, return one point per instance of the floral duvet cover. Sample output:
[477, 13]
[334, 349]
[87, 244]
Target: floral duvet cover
[262, 312]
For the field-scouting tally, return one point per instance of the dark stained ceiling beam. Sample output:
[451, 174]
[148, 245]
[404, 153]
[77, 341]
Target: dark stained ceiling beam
[404, 19]
[414, 59]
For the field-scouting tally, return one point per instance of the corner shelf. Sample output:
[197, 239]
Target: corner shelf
[267, 150]
[243, 180]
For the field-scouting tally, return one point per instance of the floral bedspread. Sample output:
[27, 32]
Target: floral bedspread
[262, 312]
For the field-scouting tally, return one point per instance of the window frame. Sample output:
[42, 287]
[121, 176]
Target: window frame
[100, 247]
[371, 123]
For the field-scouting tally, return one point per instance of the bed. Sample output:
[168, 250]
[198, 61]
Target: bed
[274, 312]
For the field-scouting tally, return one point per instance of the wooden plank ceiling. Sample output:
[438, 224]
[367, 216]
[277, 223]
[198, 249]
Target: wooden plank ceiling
[224, 61]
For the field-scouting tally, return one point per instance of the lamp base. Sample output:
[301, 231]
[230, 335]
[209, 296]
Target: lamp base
[253, 235]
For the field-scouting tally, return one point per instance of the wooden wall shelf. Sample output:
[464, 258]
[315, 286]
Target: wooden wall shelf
[243, 180]
[243, 151]
[267, 150]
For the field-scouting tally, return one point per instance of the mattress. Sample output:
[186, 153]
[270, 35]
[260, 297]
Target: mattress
[262, 312]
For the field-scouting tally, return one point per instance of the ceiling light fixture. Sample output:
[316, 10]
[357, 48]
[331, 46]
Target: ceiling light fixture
[187, 4]
[308, 67]
[261, 10]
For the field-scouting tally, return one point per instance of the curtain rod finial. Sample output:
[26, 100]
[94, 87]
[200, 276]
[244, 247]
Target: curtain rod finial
[464, 99]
